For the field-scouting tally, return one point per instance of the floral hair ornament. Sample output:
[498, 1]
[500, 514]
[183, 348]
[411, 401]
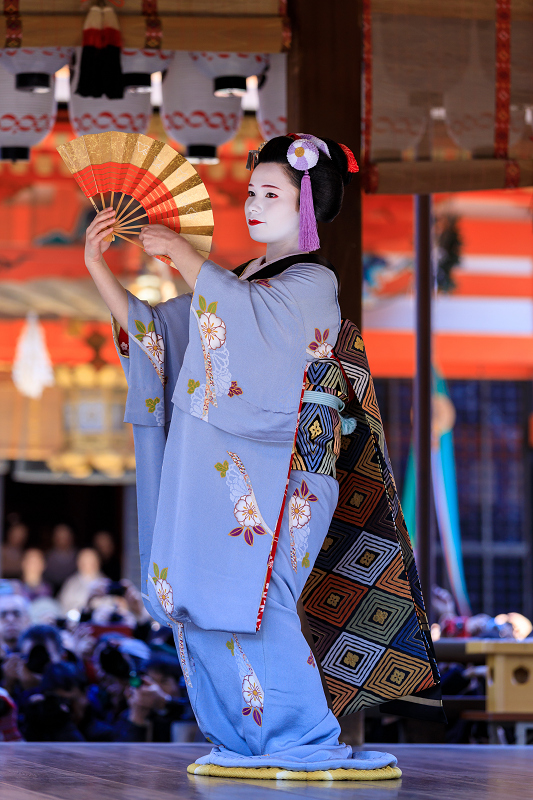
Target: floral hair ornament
[303, 155]
[253, 155]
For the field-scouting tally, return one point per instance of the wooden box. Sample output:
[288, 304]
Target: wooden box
[509, 674]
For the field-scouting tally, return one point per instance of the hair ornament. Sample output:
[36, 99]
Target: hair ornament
[353, 166]
[303, 155]
[253, 156]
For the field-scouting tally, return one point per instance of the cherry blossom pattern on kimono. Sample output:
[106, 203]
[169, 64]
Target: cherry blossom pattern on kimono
[246, 511]
[153, 345]
[165, 596]
[251, 689]
[320, 347]
[212, 331]
[299, 525]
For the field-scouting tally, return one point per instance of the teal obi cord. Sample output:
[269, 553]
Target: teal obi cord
[348, 424]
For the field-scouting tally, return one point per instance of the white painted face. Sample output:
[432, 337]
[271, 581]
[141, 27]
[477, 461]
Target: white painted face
[271, 209]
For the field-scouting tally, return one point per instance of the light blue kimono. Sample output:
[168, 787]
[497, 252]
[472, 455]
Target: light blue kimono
[215, 387]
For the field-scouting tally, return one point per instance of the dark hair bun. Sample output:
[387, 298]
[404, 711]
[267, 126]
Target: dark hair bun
[328, 177]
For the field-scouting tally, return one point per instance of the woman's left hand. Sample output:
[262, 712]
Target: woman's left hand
[158, 240]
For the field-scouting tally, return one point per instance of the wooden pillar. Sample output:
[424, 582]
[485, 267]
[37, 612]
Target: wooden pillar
[324, 98]
[422, 393]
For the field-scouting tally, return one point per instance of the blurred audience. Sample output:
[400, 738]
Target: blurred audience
[61, 558]
[16, 537]
[14, 616]
[104, 544]
[99, 669]
[76, 590]
[33, 566]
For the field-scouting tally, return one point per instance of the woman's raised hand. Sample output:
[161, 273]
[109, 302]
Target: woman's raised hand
[158, 240]
[100, 227]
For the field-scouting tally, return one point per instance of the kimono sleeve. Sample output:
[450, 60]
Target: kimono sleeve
[151, 354]
[249, 347]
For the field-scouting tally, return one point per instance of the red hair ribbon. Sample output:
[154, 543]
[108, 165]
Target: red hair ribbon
[353, 166]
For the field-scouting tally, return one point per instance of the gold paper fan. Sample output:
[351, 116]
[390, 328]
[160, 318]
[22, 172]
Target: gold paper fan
[148, 182]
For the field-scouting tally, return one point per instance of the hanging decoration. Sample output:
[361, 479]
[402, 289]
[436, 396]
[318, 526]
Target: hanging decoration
[192, 116]
[229, 71]
[130, 114]
[272, 112]
[392, 124]
[13, 23]
[147, 182]
[153, 34]
[138, 66]
[34, 67]
[99, 70]
[472, 110]
[444, 482]
[32, 367]
[25, 119]
[503, 78]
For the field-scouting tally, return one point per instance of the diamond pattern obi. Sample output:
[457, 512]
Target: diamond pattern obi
[318, 440]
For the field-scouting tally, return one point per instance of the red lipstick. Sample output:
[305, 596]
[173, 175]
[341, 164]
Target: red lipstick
[255, 222]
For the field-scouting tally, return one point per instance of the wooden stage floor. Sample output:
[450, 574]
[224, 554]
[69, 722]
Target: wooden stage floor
[157, 772]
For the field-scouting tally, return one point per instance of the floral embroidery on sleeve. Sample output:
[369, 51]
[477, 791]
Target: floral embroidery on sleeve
[212, 331]
[299, 530]
[153, 345]
[234, 389]
[245, 509]
[320, 348]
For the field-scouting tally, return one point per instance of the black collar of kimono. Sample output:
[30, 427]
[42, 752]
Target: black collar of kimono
[279, 266]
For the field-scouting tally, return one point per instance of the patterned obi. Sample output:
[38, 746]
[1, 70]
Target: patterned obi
[318, 440]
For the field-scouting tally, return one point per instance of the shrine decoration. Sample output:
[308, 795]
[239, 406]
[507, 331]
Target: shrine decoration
[229, 71]
[146, 181]
[91, 115]
[272, 112]
[139, 65]
[99, 72]
[34, 67]
[192, 115]
[32, 367]
[447, 95]
[13, 24]
[153, 33]
[25, 119]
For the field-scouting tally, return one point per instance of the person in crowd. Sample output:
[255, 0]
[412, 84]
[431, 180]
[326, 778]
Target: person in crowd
[76, 590]
[14, 617]
[104, 544]
[9, 731]
[13, 549]
[157, 704]
[61, 559]
[33, 567]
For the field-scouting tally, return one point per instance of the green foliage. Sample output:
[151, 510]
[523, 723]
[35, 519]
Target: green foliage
[151, 403]
[140, 326]
[222, 468]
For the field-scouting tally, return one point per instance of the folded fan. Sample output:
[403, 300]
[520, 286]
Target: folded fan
[149, 183]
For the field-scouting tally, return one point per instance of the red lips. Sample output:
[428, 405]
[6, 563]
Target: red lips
[255, 222]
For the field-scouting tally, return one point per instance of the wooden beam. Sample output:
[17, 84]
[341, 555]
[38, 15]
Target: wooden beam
[223, 33]
[430, 177]
[324, 98]
[456, 9]
[212, 8]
